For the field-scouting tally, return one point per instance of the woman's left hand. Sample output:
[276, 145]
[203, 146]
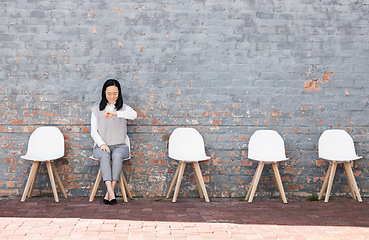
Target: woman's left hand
[110, 114]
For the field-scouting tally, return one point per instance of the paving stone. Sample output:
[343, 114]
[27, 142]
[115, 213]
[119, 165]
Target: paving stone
[266, 219]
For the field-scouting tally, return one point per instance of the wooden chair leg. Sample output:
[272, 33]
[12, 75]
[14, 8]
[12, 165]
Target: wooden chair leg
[326, 179]
[250, 187]
[34, 180]
[122, 187]
[179, 180]
[353, 181]
[201, 180]
[279, 182]
[330, 181]
[96, 186]
[257, 178]
[31, 178]
[52, 180]
[58, 180]
[197, 182]
[173, 181]
[349, 182]
[126, 186]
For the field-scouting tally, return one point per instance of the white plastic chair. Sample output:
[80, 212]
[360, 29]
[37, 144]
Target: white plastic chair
[186, 145]
[122, 180]
[337, 146]
[266, 147]
[45, 144]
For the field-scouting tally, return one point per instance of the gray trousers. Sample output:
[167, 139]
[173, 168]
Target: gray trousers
[111, 164]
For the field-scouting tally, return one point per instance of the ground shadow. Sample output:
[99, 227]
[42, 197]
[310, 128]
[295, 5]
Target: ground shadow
[338, 212]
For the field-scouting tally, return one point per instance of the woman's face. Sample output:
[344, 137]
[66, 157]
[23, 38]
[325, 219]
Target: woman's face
[111, 94]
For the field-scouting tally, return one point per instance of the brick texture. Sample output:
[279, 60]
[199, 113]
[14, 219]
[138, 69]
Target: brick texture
[227, 68]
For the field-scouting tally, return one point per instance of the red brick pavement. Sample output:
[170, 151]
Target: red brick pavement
[189, 218]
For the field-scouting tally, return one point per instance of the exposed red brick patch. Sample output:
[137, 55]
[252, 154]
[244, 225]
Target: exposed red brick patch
[17, 121]
[245, 162]
[326, 76]
[8, 192]
[5, 129]
[217, 122]
[320, 163]
[312, 85]
[10, 184]
[8, 160]
[155, 121]
[50, 114]
[243, 138]
[67, 137]
[240, 181]
[165, 137]
[304, 108]
[357, 173]
[316, 179]
[141, 114]
[91, 12]
[157, 162]
[85, 129]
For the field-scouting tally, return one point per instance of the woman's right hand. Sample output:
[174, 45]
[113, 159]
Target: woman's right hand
[104, 147]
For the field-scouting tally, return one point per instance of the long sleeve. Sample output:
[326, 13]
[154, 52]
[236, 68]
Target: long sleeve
[127, 113]
[94, 133]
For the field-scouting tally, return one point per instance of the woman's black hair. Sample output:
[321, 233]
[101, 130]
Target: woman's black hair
[104, 100]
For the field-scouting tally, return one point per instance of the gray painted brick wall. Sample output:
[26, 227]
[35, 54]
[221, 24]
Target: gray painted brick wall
[226, 68]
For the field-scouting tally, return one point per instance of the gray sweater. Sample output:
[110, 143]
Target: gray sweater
[112, 130]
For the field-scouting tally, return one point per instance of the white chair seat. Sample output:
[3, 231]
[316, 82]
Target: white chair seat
[192, 160]
[269, 161]
[32, 158]
[343, 160]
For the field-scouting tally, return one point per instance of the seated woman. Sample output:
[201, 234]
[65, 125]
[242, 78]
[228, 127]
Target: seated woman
[109, 130]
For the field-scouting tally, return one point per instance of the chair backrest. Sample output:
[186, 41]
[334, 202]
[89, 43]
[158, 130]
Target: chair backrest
[336, 144]
[266, 145]
[127, 141]
[186, 144]
[45, 143]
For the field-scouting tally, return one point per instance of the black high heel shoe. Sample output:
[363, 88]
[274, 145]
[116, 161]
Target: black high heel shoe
[106, 201]
[113, 202]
